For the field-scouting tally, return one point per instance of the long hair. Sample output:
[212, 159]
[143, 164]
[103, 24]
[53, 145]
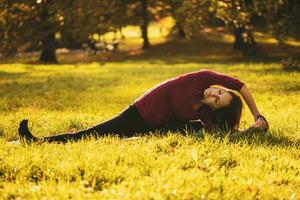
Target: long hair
[229, 117]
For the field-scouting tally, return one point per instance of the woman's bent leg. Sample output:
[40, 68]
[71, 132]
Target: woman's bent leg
[126, 124]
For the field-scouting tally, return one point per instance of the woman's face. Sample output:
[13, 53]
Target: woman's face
[216, 98]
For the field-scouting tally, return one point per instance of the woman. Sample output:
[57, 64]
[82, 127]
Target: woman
[185, 102]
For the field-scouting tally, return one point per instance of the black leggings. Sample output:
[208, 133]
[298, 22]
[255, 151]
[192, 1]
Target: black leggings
[126, 124]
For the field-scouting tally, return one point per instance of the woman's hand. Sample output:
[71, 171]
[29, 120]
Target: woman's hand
[261, 122]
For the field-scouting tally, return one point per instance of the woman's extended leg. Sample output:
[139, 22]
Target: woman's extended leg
[126, 124]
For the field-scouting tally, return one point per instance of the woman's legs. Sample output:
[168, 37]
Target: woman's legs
[126, 124]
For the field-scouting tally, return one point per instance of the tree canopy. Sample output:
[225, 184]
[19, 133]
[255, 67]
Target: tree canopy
[47, 24]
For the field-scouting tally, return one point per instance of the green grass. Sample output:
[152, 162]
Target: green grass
[69, 97]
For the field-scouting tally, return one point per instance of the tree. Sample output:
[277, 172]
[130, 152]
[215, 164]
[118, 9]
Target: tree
[46, 22]
[282, 16]
[37, 23]
[145, 23]
[138, 14]
[9, 28]
[193, 15]
[31, 23]
[190, 16]
[175, 9]
[81, 19]
[236, 15]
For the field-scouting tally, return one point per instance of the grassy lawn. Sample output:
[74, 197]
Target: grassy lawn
[70, 96]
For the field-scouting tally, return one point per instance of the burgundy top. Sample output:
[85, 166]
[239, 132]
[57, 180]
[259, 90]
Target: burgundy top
[174, 98]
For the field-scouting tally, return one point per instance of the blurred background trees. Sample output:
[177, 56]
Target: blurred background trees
[282, 17]
[45, 25]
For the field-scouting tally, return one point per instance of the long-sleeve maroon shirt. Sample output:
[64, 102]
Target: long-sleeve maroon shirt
[174, 98]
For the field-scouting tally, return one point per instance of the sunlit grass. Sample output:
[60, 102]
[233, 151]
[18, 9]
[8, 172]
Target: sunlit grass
[62, 98]
[69, 97]
[156, 30]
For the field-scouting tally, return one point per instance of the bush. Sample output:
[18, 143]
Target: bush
[290, 64]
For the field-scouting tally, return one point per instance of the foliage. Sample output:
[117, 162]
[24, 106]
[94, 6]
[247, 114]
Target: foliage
[33, 26]
[12, 18]
[282, 16]
[47, 24]
[193, 15]
[290, 64]
[237, 16]
[190, 16]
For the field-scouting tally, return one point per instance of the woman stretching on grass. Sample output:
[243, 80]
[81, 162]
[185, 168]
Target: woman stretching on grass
[182, 103]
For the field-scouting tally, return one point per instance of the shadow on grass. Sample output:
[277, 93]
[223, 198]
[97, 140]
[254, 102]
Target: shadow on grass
[178, 51]
[265, 139]
[208, 50]
[268, 140]
[8, 75]
[254, 138]
[53, 92]
[260, 139]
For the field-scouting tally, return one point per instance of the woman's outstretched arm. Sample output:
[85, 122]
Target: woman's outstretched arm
[260, 121]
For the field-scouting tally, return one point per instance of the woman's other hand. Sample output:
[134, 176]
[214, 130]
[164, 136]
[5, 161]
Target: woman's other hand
[261, 122]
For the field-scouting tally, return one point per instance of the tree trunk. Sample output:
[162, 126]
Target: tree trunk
[181, 32]
[121, 33]
[144, 26]
[244, 41]
[48, 49]
[238, 38]
[48, 35]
